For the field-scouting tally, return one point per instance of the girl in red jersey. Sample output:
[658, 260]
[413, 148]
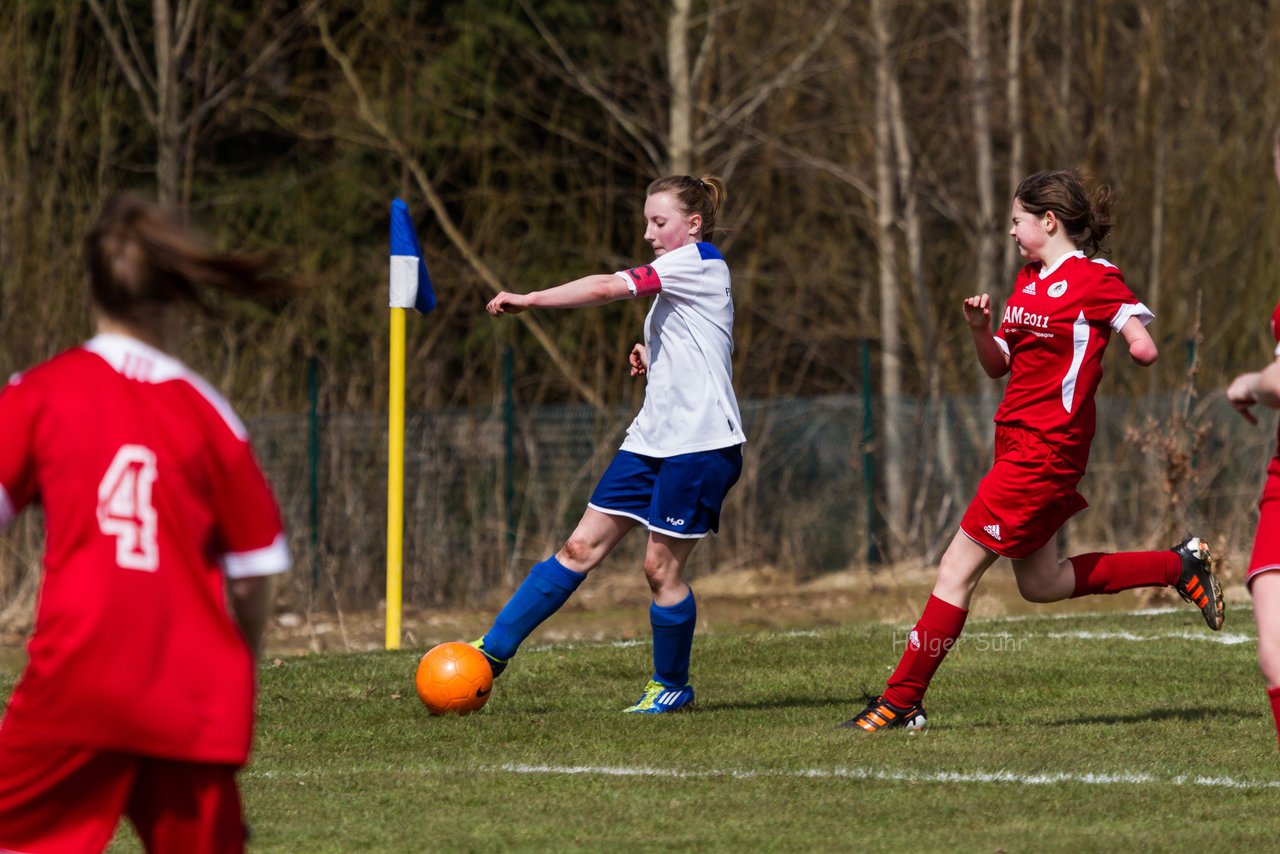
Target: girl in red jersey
[139, 690]
[1051, 337]
[1245, 392]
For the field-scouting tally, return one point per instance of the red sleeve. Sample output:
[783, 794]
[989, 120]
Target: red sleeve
[1108, 295]
[1275, 325]
[250, 530]
[17, 470]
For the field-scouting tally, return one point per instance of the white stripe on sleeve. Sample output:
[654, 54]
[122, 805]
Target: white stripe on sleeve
[270, 560]
[1137, 310]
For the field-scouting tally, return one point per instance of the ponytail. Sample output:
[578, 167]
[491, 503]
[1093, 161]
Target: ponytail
[704, 196]
[1086, 218]
[140, 260]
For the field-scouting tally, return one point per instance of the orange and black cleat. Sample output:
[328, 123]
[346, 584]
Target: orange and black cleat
[1198, 585]
[880, 715]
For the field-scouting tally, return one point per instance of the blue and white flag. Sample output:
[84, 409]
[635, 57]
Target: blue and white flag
[410, 281]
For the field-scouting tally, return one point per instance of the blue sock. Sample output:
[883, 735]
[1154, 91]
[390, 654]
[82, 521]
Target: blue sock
[673, 640]
[549, 585]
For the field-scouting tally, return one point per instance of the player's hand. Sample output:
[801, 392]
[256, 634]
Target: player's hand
[507, 303]
[977, 311]
[1241, 395]
[639, 359]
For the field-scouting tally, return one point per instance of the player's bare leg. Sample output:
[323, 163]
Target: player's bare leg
[1042, 577]
[593, 539]
[1265, 588]
[932, 637]
[961, 568]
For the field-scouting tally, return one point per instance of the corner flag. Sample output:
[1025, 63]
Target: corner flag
[410, 281]
[410, 288]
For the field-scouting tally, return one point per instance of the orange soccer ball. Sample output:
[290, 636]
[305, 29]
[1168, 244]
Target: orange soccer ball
[454, 677]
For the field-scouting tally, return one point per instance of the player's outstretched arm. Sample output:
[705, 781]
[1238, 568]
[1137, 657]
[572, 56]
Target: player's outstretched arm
[1142, 349]
[1249, 389]
[977, 313]
[251, 606]
[589, 290]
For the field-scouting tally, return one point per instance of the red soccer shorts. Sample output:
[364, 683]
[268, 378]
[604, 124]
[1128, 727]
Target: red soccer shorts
[1266, 542]
[1027, 496]
[63, 799]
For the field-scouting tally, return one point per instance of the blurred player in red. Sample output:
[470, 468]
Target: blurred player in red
[1051, 337]
[138, 696]
[1245, 392]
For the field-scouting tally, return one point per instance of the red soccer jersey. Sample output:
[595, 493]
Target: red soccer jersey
[150, 494]
[1055, 328]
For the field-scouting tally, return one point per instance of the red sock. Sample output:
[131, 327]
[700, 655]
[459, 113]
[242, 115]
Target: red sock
[1099, 572]
[933, 636]
[1273, 694]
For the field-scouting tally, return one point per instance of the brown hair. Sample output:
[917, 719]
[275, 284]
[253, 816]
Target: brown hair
[703, 196]
[1086, 218]
[140, 261]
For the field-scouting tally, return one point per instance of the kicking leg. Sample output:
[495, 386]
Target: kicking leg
[550, 584]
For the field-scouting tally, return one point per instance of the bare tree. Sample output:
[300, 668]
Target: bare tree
[984, 162]
[190, 74]
[1017, 133]
[694, 130]
[892, 439]
[427, 187]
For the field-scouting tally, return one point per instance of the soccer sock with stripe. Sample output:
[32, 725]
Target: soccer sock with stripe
[673, 627]
[548, 586]
[1273, 694]
[1099, 572]
[929, 642]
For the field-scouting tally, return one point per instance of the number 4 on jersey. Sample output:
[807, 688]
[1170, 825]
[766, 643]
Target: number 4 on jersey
[125, 511]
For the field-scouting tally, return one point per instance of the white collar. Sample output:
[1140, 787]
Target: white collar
[1048, 271]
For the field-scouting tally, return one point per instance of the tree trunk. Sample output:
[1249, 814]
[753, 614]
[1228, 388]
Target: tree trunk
[680, 133]
[168, 124]
[984, 171]
[891, 436]
[1017, 134]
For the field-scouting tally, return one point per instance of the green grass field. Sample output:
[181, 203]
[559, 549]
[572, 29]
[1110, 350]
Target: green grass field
[1139, 732]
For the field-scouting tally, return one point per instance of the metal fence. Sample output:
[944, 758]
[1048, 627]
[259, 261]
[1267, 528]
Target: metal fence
[487, 496]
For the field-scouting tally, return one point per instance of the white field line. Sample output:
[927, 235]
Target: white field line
[1046, 779]
[1057, 778]
[1225, 638]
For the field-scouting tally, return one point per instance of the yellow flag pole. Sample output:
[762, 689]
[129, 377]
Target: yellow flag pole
[395, 480]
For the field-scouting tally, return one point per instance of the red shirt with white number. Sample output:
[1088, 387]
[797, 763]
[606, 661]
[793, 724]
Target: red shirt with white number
[151, 495]
[1055, 328]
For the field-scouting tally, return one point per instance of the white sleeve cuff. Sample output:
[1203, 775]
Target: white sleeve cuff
[1137, 310]
[1002, 344]
[271, 560]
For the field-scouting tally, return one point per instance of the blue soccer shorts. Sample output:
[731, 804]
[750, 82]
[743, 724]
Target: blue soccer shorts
[680, 496]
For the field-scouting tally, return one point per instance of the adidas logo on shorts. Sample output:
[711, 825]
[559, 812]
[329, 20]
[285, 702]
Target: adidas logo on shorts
[1030, 289]
[993, 530]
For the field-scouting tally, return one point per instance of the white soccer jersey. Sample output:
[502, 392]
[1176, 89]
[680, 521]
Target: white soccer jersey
[689, 404]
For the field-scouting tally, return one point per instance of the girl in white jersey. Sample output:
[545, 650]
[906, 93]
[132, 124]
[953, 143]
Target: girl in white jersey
[682, 452]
